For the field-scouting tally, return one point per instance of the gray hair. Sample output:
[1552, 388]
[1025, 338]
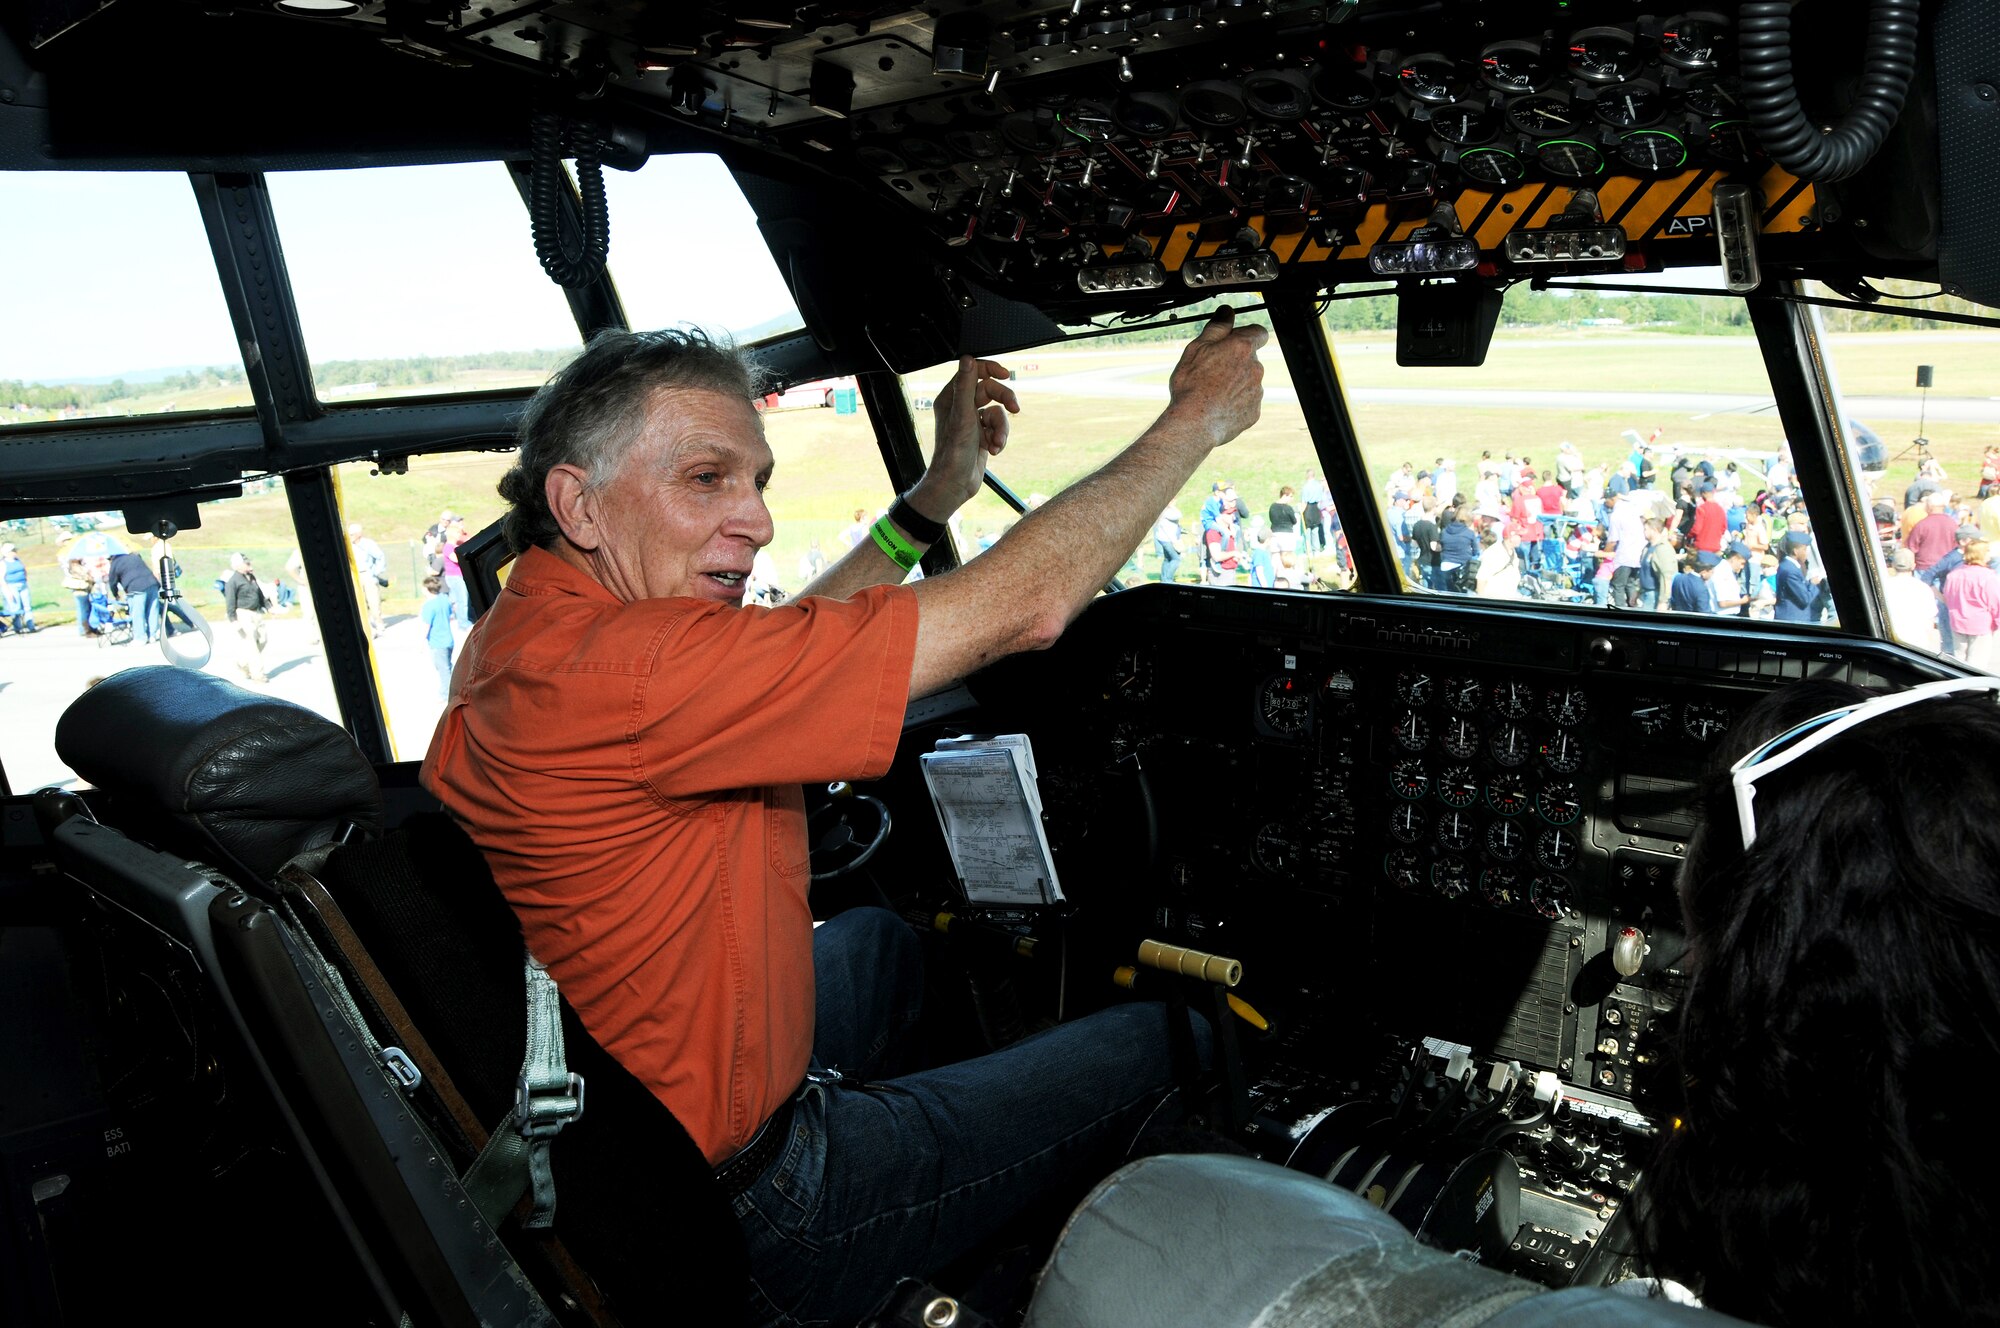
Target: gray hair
[594, 409]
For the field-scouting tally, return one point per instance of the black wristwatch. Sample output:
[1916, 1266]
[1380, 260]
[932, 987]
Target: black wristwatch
[914, 523]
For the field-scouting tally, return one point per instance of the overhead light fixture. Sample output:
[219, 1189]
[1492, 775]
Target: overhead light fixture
[317, 8]
[1578, 235]
[1109, 278]
[1437, 246]
[1231, 269]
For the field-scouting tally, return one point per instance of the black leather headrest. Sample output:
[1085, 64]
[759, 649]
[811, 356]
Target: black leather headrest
[240, 780]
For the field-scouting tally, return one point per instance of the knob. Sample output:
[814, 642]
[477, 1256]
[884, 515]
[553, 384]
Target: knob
[1602, 652]
[1628, 951]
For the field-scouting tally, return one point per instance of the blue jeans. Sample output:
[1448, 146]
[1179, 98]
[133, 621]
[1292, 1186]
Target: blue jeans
[145, 606]
[1170, 564]
[441, 661]
[454, 588]
[887, 1177]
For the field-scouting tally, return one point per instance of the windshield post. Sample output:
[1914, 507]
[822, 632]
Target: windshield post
[243, 234]
[1309, 358]
[1808, 405]
[344, 632]
[902, 449]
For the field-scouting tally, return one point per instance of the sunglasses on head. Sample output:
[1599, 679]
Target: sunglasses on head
[1801, 738]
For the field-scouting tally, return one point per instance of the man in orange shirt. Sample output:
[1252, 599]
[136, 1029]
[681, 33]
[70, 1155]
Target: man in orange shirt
[625, 741]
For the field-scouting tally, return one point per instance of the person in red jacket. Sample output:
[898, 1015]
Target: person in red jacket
[1711, 521]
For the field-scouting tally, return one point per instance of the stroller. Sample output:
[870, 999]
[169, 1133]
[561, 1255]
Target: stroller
[1564, 580]
[111, 619]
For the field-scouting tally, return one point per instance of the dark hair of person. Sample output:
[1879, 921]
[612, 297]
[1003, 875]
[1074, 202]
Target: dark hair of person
[1835, 1160]
[594, 408]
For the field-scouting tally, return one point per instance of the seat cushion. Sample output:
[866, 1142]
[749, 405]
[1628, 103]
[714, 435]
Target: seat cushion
[204, 767]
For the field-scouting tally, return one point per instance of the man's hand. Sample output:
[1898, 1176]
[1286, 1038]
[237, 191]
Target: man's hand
[972, 425]
[1219, 385]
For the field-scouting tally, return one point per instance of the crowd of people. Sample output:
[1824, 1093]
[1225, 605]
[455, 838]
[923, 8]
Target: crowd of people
[1663, 530]
[1296, 543]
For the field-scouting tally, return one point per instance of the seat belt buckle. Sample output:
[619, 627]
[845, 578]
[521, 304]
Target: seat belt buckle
[401, 1068]
[541, 1113]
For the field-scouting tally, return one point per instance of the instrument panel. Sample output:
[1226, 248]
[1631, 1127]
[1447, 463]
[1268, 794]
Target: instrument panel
[1442, 841]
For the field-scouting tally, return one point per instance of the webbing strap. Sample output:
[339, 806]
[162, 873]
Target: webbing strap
[547, 1097]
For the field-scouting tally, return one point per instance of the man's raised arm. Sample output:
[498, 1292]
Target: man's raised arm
[1027, 588]
[971, 416]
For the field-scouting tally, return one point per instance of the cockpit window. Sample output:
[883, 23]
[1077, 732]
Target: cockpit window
[112, 302]
[1257, 514]
[1616, 448]
[1920, 399]
[85, 598]
[685, 248]
[454, 301]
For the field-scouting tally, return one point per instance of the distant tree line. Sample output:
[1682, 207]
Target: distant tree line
[414, 371]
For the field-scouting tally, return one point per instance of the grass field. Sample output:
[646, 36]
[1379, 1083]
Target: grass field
[828, 464]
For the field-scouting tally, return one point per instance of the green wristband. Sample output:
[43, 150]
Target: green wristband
[890, 540]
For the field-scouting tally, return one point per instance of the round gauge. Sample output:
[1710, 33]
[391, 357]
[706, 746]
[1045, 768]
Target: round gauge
[1407, 824]
[1510, 745]
[1451, 878]
[1458, 787]
[1571, 158]
[1131, 676]
[1431, 78]
[1566, 705]
[1500, 886]
[1145, 114]
[1032, 132]
[1465, 695]
[1408, 779]
[1507, 793]
[1543, 115]
[1505, 840]
[1277, 94]
[1275, 851]
[1412, 733]
[1285, 704]
[1693, 41]
[1710, 99]
[1514, 699]
[1465, 122]
[1704, 723]
[1455, 831]
[1461, 737]
[1563, 752]
[1181, 874]
[1555, 849]
[1560, 802]
[1404, 869]
[1213, 104]
[1653, 150]
[1729, 140]
[1604, 55]
[1345, 88]
[1340, 683]
[1630, 105]
[1512, 66]
[979, 144]
[1651, 715]
[1552, 897]
[1495, 166]
[1413, 688]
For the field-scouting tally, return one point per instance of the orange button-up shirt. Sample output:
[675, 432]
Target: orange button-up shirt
[632, 773]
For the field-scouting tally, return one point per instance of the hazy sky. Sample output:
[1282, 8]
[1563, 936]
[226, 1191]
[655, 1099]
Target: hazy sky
[110, 273]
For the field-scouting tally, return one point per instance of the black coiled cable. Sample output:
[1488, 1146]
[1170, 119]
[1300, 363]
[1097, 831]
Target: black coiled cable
[546, 137]
[1771, 103]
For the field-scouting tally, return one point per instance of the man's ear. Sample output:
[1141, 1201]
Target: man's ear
[573, 503]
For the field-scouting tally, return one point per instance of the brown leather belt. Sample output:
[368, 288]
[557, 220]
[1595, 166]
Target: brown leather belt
[741, 1171]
